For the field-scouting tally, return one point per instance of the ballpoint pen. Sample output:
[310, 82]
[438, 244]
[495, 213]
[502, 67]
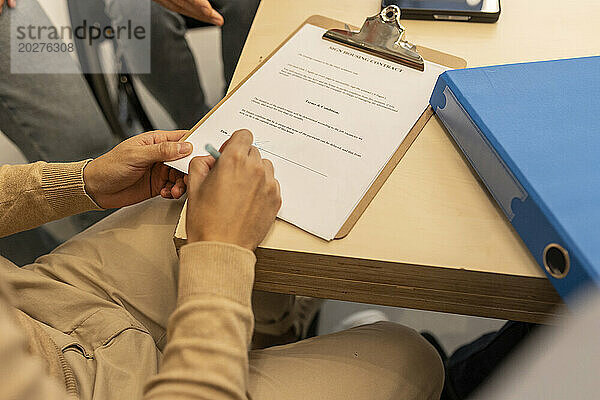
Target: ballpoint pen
[212, 151]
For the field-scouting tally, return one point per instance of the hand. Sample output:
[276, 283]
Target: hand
[133, 171]
[199, 9]
[236, 202]
[11, 4]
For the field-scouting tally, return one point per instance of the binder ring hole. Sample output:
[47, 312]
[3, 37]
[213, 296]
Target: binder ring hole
[556, 260]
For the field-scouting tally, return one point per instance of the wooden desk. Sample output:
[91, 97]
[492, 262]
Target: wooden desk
[433, 238]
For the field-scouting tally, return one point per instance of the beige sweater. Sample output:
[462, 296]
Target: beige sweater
[215, 365]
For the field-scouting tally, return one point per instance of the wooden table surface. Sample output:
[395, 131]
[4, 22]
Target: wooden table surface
[433, 238]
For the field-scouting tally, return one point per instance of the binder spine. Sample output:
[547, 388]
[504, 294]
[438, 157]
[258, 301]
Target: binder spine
[552, 249]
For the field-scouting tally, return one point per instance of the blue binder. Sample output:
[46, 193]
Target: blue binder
[532, 133]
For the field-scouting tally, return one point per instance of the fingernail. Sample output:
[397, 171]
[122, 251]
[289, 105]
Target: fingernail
[184, 148]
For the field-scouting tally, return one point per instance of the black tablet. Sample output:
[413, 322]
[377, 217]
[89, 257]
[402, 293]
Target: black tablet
[448, 10]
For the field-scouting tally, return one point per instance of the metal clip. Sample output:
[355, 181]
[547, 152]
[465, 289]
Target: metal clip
[381, 35]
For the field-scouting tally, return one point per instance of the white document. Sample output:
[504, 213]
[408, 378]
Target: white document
[329, 118]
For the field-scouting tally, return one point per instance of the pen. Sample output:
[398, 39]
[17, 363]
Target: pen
[212, 151]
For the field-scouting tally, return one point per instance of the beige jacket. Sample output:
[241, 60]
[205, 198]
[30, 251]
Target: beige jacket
[208, 334]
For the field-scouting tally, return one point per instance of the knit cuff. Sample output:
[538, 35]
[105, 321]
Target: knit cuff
[220, 269]
[64, 188]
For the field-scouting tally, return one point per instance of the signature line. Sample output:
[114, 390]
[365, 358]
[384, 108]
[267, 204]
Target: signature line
[277, 155]
[293, 162]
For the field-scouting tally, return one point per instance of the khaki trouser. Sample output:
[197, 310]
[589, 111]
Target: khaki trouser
[105, 297]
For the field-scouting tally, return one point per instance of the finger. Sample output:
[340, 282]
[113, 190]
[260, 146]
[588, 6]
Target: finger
[166, 193]
[224, 145]
[278, 188]
[163, 174]
[1, 5]
[179, 189]
[210, 161]
[154, 137]
[172, 175]
[12, 3]
[167, 136]
[158, 176]
[269, 170]
[216, 18]
[205, 12]
[177, 175]
[173, 7]
[254, 154]
[199, 170]
[165, 151]
[240, 142]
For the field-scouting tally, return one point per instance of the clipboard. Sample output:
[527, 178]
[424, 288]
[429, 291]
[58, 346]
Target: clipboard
[381, 35]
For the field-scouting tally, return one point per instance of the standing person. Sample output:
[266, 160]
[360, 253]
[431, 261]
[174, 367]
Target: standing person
[54, 117]
[174, 80]
[114, 314]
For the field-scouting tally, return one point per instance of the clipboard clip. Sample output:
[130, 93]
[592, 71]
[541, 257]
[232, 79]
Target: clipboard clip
[381, 35]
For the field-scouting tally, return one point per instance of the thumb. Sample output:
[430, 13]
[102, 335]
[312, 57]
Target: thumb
[166, 151]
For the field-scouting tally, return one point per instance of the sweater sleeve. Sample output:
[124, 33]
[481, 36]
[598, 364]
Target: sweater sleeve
[34, 194]
[206, 356]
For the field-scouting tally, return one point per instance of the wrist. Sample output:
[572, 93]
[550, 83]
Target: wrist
[227, 271]
[214, 237]
[90, 181]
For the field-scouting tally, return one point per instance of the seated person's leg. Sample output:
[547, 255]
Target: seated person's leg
[95, 337]
[380, 361]
[129, 259]
[173, 80]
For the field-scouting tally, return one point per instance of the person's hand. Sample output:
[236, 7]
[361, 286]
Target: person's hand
[198, 9]
[133, 171]
[236, 202]
[10, 3]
